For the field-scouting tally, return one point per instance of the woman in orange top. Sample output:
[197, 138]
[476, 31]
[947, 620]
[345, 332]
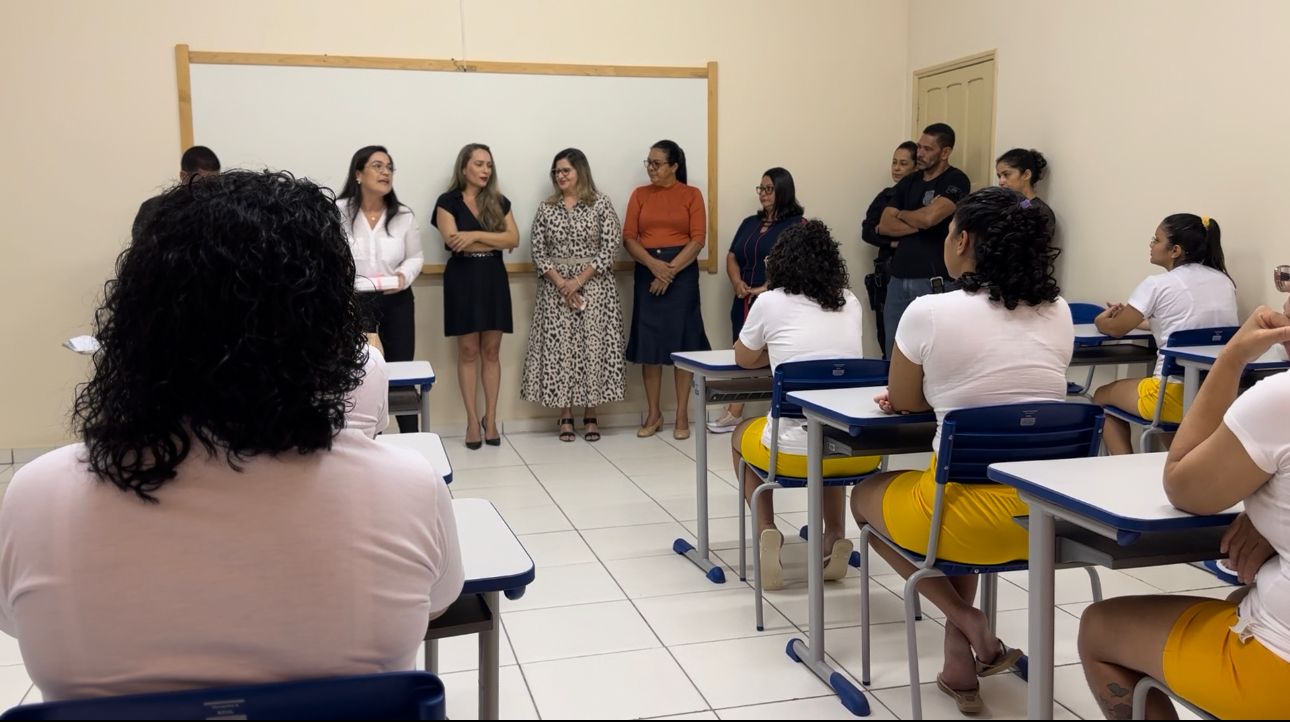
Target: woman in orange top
[664, 229]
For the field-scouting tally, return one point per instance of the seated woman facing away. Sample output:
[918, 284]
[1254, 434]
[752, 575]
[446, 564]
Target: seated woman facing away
[807, 313]
[1006, 337]
[1229, 657]
[216, 525]
[1196, 292]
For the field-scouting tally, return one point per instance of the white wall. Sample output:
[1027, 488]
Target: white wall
[1143, 109]
[91, 129]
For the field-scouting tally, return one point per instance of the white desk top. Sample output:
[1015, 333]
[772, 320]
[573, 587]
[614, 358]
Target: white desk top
[712, 364]
[1125, 492]
[492, 556]
[1087, 333]
[427, 445]
[409, 373]
[853, 407]
[1273, 358]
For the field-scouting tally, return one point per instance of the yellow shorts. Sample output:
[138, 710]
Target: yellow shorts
[1207, 664]
[795, 464]
[977, 526]
[1149, 389]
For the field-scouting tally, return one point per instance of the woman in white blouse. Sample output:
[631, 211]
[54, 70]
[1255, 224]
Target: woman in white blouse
[386, 242]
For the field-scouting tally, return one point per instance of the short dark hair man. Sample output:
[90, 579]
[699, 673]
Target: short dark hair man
[919, 216]
[197, 162]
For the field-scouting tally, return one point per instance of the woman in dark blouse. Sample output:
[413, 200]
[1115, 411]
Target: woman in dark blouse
[746, 261]
[903, 162]
[475, 221]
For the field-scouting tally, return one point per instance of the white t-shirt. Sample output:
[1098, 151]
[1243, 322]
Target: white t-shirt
[1259, 420]
[370, 411]
[296, 567]
[1190, 296]
[795, 328]
[381, 251]
[975, 352]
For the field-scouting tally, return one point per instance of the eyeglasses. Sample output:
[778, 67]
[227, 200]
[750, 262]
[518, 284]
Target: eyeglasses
[655, 164]
[1281, 277]
[560, 172]
[379, 167]
[764, 190]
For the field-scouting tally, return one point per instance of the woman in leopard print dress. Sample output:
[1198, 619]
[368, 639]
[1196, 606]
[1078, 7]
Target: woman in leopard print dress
[575, 354]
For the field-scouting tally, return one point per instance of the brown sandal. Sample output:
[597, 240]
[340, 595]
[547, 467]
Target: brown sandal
[567, 436]
[968, 700]
[1005, 661]
[590, 436]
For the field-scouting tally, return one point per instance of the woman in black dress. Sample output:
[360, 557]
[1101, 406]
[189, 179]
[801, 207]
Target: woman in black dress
[475, 221]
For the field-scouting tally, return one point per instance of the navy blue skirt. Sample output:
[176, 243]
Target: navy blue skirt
[663, 325]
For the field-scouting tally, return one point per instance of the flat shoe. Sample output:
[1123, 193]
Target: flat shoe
[1006, 660]
[968, 700]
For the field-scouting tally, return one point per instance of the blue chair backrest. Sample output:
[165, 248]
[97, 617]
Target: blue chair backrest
[389, 696]
[1216, 336]
[1085, 312]
[972, 439]
[822, 374]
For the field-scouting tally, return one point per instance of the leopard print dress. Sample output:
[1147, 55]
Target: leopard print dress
[575, 358]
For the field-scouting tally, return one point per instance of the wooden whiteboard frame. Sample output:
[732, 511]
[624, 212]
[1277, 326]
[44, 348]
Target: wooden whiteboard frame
[184, 57]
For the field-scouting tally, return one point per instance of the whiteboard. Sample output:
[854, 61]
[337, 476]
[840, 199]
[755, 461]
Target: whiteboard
[310, 120]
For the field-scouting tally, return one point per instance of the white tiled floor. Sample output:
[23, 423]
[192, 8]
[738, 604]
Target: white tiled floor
[617, 626]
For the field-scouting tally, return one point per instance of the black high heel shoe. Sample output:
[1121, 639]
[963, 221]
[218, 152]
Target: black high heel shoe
[483, 429]
[474, 445]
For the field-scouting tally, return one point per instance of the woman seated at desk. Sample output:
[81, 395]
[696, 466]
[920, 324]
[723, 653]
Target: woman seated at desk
[806, 313]
[1196, 292]
[217, 525]
[1229, 657]
[1005, 337]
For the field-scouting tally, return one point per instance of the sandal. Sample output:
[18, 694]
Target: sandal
[589, 435]
[769, 543]
[968, 700]
[1005, 661]
[567, 436]
[836, 562]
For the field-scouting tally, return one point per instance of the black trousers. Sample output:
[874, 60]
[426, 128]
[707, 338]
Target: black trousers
[393, 318]
[876, 284]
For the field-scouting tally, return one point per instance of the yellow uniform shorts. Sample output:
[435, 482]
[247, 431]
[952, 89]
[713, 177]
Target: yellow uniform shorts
[754, 453]
[1149, 391]
[1207, 664]
[977, 525]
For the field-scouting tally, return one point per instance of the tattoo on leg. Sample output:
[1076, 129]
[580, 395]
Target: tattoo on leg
[1117, 690]
[1112, 708]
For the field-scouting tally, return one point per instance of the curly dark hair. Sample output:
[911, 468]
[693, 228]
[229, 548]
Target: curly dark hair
[232, 321]
[805, 260]
[1012, 241]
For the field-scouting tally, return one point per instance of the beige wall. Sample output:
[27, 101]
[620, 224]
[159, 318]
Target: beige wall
[1143, 109]
[90, 129]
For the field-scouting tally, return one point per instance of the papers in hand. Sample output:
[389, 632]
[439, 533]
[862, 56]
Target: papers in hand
[82, 344]
[367, 284]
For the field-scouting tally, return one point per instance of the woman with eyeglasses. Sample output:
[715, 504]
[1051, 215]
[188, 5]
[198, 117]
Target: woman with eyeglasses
[664, 231]
[386, 243]
[746, 261]
[1196, 292]
[575, 354]
[475, 221]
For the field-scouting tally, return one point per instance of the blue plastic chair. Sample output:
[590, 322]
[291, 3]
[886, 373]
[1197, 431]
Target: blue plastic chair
[971, 440]
[1192, 337]
[1082, 312]
[789, 377]
[388, 696]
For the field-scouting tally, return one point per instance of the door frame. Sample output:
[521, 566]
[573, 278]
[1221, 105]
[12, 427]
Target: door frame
[988, 55]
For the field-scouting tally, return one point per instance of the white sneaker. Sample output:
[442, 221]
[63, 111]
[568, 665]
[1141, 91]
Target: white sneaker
[724, 425]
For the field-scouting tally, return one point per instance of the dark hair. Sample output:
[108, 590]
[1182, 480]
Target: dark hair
[1012, 241]
[805, 260]
[232, 323]
[944, 134]
[1025, 160]
[786, 204]
[1201, 242]
[351, 190]
[911, 147]
[675, 156]
[585, 186]
[199, 158]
